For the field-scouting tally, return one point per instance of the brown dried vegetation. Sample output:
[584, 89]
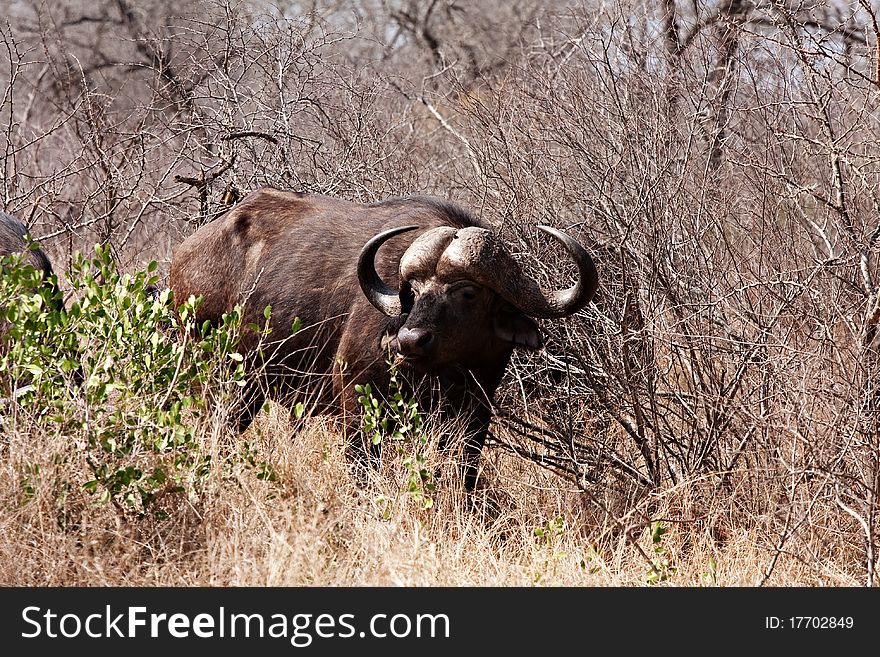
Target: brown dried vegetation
[723, 168]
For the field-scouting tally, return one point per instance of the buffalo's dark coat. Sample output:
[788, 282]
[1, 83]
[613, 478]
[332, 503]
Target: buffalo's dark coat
[13, 240]
[298, 254]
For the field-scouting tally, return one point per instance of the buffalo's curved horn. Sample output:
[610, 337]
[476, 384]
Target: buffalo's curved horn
[561, 303]
[494, 267]
[383, 297]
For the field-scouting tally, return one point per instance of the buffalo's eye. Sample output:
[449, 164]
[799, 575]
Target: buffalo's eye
[466, 292]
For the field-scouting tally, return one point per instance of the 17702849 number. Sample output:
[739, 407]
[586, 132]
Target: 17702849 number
[810, 622]
[820, 622]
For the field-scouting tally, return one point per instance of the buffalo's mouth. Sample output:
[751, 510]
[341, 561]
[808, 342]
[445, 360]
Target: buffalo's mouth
[390, 344]
[421, 362]
[413, 361]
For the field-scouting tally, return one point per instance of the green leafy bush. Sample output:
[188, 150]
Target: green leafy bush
[397, 420]
[661, 567]
[121, 374]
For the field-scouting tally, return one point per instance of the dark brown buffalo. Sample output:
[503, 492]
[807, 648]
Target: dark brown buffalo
[417, 279]
[14, 239]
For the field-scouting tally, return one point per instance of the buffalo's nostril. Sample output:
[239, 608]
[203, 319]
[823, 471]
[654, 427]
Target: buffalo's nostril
[413, 342]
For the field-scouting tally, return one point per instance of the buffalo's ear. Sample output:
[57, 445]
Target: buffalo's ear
[512, 326]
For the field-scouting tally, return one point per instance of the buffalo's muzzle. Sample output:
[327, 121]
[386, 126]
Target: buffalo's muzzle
[414, 342]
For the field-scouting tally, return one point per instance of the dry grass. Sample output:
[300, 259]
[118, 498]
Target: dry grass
[313, 527]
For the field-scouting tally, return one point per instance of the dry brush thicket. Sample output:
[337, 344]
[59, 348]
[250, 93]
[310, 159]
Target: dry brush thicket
[722, 166]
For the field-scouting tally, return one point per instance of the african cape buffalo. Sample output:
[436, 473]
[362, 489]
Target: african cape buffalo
[13, 239]
[418, 279]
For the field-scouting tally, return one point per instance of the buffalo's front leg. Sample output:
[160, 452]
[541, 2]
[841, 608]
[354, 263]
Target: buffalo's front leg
[471, 446]
[360, 451]
[252, 398]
